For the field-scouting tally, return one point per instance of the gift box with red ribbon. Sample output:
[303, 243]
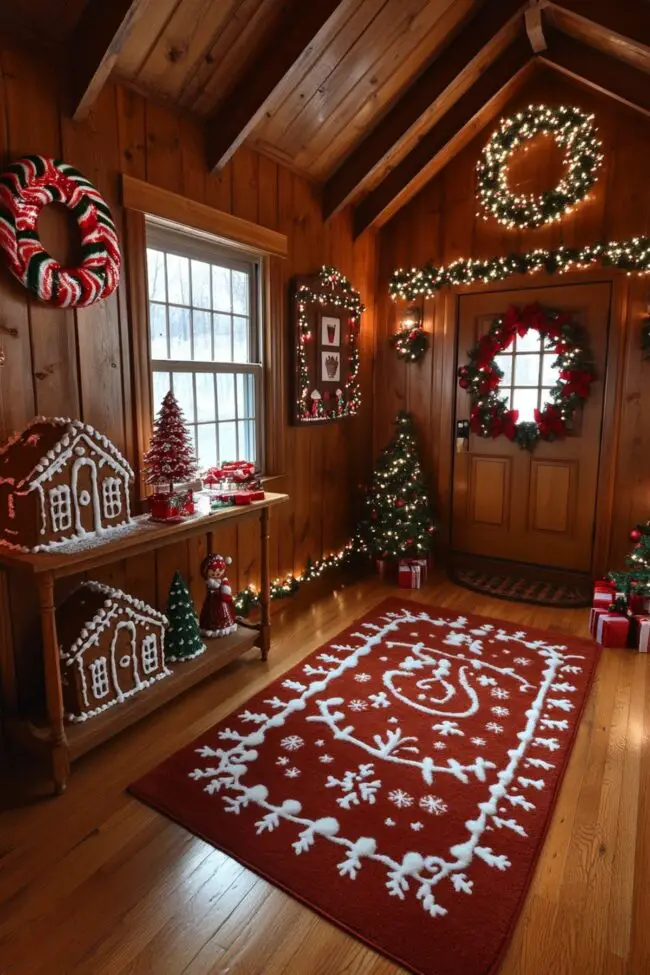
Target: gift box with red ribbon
[171, 507]
[409, 574]
[247, 497]
[602, 598]
[609, 629]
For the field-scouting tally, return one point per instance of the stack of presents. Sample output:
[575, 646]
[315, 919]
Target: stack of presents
[620, 618]
[412, 573]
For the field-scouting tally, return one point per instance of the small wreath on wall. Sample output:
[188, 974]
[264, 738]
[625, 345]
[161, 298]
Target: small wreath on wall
[410, 341]
[327, 341]
[26, 187]
[490, 414]
[574, 131]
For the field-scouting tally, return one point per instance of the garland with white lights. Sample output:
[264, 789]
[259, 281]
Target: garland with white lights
[334, 289]
[574, 131]
[490, 415]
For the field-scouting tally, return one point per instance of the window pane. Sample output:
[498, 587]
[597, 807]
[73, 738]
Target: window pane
[227, 442]
[504, 362]
[184, 393]
[245, 396]
[207, 445]
[200, 284]
[527, 370]
[226, 396]
[240, 340]
[246, 440]
[549, 374]
[525, 401]
[222, 340]
[205, 409]
[161, 385]
[221, 289]
[202, 321]
[178, 279]
[240, 292]
[530, 342]
[158, 326]
[156, 274]
[180, 344]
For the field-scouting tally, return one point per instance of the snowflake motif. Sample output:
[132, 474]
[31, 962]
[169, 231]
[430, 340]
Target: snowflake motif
[319, 743]
[486, 681]
[326, 759]
[389, 822]
[393, 720]
[439, 745]
[416, 827]
[362, 678]
[401, 799]
[358, 705]
[499, 693]
[478, 741]
[292, 743]
[445, 728]
[283, 760]
[500, 712]
[433, 804]
[522, 661]
[493, 726]
[292, 773]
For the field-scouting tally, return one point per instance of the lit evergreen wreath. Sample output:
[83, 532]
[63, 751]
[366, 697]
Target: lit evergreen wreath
[574, 131]
[490, 415]
[410, 341]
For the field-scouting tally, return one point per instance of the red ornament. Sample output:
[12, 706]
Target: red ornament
[635, 535]
[399, 503]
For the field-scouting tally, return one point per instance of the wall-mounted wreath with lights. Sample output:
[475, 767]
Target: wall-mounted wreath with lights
[327, 317]
[491, 415]
[410, 341]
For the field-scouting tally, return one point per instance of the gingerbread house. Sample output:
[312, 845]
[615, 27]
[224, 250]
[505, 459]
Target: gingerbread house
[111, 647]
[60, 479]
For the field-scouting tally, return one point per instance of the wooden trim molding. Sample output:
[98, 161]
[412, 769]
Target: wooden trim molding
[136, 286]
[153, 200]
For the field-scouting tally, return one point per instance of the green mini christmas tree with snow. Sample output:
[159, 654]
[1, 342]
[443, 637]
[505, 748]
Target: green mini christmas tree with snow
[183, 639]
[397, 519]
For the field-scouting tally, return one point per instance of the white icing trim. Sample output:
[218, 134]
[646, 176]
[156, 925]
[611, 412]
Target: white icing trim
[130, 626]
[214, 633]
[79, 718]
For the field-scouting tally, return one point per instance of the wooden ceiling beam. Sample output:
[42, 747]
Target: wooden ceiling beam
[95, 47]
[240, 112]
[414, 103]
[597, 69]
[628, 19]
[396, 184]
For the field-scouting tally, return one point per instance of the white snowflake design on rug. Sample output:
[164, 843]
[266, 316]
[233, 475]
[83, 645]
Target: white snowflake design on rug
[408, 806]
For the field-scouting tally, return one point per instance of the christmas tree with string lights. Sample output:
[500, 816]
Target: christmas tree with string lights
[170, 458]
[636, 581]
[397, 519]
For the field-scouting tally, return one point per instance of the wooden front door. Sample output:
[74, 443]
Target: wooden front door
[509, 503]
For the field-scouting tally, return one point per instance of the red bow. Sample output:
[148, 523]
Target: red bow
[550, 422]
[576, 381]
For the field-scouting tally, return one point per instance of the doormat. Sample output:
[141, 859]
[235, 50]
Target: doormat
[399, 781]
[519, 590]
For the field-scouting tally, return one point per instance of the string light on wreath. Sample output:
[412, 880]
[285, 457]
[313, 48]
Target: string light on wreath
[490, 414]
[574, 131]
[410, 341]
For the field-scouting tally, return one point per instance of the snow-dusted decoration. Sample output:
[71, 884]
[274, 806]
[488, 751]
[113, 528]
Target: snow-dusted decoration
[111, 647]
[409, 807]
[60, 480]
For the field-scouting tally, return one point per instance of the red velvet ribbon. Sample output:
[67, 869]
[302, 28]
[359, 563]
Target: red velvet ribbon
[550, 422]
[576, 381]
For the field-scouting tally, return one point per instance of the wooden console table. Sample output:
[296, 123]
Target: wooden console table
[66, 742]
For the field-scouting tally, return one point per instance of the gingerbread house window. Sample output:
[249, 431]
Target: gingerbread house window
[99, 677]
[150, 654]
[112, 497]
[61, 508]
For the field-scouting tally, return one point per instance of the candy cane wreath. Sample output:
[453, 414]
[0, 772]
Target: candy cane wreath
[26, 187]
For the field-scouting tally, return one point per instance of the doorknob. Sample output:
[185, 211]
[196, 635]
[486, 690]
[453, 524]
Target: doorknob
[462, 436]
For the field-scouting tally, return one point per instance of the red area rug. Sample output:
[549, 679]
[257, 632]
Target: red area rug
[400, 780]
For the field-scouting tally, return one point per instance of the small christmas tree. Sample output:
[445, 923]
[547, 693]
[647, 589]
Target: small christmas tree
[637, 580]
[183, 640]
[397, 518]
[171, 456]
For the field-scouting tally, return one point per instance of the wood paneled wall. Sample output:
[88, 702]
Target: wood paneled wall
[441, 224]
[78, 363]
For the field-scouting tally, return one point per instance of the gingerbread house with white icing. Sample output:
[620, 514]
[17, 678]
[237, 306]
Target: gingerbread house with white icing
[111, 647]
[59, 480]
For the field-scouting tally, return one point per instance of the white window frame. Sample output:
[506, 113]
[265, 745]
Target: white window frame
[149, 644]
[60, 499]
[193, 244]
[99, 678]
[112, 497]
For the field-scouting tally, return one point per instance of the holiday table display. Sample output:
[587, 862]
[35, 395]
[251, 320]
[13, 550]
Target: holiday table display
[183, 636]
[60, 479]
[26, 187]
[397, 519]
[217, 617]
[490, 415]
[327, 317]
[170, 461]
[234, 482]
[112, 646]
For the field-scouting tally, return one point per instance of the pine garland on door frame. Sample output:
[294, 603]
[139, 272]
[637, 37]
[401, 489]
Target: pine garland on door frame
[183, 640]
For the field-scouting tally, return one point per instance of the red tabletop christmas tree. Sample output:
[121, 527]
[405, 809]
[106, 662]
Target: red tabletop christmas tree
[170, 460]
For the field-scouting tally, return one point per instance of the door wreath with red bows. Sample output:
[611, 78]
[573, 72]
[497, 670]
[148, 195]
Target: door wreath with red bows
[491, 414]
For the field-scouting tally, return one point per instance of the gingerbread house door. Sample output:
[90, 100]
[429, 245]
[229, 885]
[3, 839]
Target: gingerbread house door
[124, 662]
[85, 494]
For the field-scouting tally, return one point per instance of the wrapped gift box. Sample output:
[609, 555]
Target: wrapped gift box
[247, 497]
[639, 605]
[171, 507]
[642, 633]
[423, 562]
[609, 629]
[409, 574]
[603, 598]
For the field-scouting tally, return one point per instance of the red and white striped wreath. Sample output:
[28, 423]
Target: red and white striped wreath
[26, 187]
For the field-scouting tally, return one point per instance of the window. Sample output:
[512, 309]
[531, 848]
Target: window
[60, 508]
[150, 654]
[112, 497]
[528, 374]
[99, 677]
[205, 340]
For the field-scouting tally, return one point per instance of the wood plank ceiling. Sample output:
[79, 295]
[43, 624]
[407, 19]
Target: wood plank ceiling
[368, 97]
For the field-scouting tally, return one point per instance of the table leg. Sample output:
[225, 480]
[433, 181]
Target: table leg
[265, 625]
[53, 689]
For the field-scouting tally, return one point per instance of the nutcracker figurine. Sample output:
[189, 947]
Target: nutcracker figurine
[217, 613]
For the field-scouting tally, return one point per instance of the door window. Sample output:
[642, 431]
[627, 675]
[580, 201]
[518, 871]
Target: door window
[528, 374]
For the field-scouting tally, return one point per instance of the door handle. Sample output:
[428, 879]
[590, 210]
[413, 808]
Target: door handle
[462, 436]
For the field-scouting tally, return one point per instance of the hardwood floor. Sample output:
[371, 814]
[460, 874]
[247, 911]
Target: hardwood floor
[94, 883]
